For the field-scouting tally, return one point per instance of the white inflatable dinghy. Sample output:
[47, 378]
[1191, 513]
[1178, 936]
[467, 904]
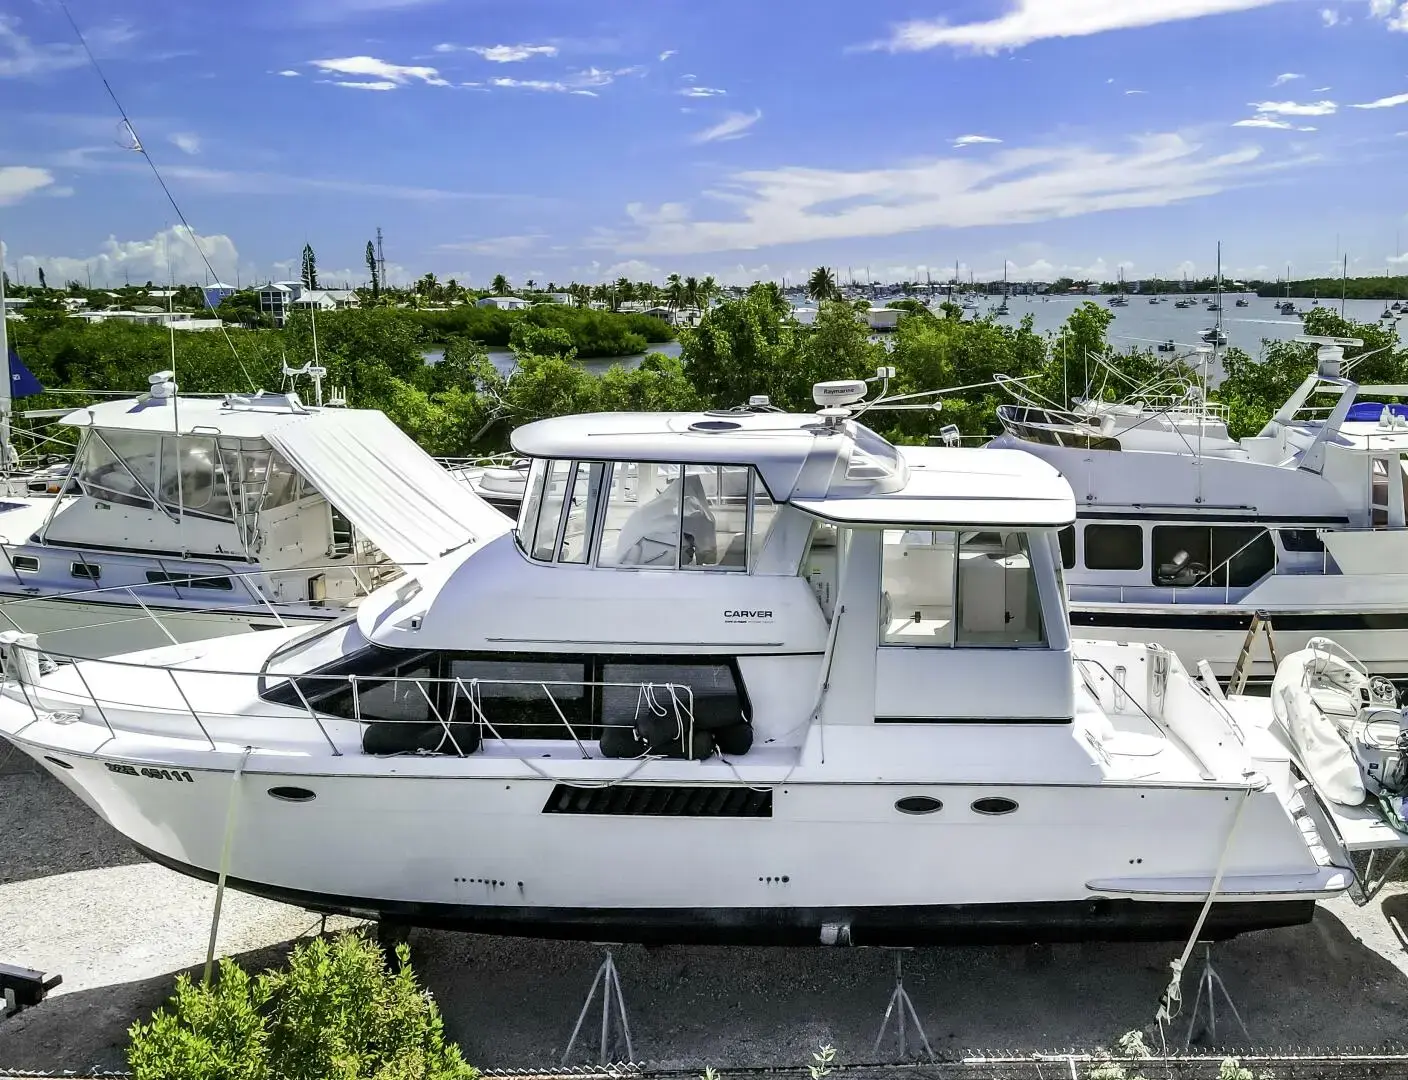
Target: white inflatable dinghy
[1346, 726]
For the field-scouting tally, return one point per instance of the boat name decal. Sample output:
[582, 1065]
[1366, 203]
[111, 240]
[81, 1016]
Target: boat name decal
[151, 773]
[735, 616]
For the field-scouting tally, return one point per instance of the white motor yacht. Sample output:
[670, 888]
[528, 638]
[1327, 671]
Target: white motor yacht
[734, 677]
[189, 517]
[1183, 534]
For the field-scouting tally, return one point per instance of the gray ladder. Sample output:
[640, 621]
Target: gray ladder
[1261, 624]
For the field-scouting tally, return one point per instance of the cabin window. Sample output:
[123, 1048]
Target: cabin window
[1114, 547]
[581, 512]
[27, 564]
[119, 467]
[644, 703]
[190, 581]
[1188, 556]
[714, 527]
[1067, 539]
[284, 484]
[764, 514]
[85, 570]
[942, 589]
[526, 698]
[187, 478]
[544, 542]
[641, 526]
[532, 504]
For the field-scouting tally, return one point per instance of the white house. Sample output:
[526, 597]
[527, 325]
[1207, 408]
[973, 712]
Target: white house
[503, 303]
[276, 299]
[325, 299]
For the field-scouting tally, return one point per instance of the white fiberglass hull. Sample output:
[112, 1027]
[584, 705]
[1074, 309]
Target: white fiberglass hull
[483, 845]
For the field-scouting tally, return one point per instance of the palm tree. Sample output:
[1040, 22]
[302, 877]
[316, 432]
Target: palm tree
[580, 293]
[691, 292]
[499, 286]
[708, 290]
[821, 285]
[529, 284]
[674, 291]
[427, 285]
[624, 291]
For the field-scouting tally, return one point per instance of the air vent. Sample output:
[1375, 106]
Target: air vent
[918, 804]
[713, 426]
[993, 806]
[657, 800]
[58, 762]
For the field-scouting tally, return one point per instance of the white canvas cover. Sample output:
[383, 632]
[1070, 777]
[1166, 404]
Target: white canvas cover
[389, 488]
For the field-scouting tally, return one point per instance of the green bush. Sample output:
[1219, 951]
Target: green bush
[336, 1013]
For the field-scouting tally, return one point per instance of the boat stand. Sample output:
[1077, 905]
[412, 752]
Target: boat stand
[902, 1009]
[1211, 984]
[610, 982]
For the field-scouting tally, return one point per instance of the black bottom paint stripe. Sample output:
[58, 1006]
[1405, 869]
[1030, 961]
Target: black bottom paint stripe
[1314, 622]
[955, 924]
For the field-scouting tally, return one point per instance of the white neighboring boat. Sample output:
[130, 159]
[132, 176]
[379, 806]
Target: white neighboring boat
[1182, 535]
[186, 518]
[499, 480]
[834, 701]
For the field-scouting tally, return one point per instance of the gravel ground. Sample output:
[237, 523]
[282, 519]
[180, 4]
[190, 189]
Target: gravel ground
[75, 900]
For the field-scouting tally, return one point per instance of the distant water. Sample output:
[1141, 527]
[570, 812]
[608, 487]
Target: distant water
[503, 359]
[1139, 325]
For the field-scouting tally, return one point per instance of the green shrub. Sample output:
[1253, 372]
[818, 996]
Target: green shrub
[336, 1013]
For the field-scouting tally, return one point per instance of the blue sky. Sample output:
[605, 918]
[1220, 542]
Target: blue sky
[556, 139]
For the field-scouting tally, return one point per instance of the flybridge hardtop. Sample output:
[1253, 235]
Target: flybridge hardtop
[188, 517]
[837, 469]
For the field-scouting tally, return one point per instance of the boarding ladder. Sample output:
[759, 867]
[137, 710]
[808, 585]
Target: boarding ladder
[1261, 624]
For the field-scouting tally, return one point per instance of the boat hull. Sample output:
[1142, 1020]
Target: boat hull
[1095, 919]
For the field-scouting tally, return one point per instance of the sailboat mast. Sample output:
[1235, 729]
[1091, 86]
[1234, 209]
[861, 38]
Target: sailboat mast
[7, 383]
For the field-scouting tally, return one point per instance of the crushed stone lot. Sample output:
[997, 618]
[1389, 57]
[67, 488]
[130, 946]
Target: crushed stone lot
[74, 899]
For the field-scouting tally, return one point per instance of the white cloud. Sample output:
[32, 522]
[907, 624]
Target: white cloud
[230, 182]
[380, 85]
[511, 54]
[288, 73]
[577, 82]
[1381, 9]
[1270, 122]
[1286, 77]
[22, 58]
[498, 245]
[1329, 16]
[141, 260]
[1027, 21]
[548, 85]
[1322, 89]
[1295, 108]
[632, 269]
[185, 141]
[1131, 93]
[733, 126]
[1393, 12]
[1384, 102]
[973, 140]
[796, 204]
[701, 91]
[20, 181]
[382, 71]
[667, 54]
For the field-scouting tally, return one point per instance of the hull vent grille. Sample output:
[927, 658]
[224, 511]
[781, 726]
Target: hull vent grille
[660, 800]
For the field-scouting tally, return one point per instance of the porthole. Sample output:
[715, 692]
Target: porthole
[293, 794]
[918, 804]
[993, 806]
[56, 761]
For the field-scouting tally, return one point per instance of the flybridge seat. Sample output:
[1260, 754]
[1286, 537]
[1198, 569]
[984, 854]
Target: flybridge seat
[1369, 412]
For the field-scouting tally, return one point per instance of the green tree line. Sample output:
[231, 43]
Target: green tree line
[751, 345]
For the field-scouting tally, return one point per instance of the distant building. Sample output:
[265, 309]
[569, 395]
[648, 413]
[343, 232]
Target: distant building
[556, 298]
[325, 299]
[176, 320]
[216, 293]
[503, 303]
[276, 299]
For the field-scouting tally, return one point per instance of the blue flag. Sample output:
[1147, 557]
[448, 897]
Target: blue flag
[22, 380]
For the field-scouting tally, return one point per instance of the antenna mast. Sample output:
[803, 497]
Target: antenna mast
[380, 259]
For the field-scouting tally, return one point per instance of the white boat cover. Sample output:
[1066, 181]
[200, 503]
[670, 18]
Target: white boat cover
[389, 488]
